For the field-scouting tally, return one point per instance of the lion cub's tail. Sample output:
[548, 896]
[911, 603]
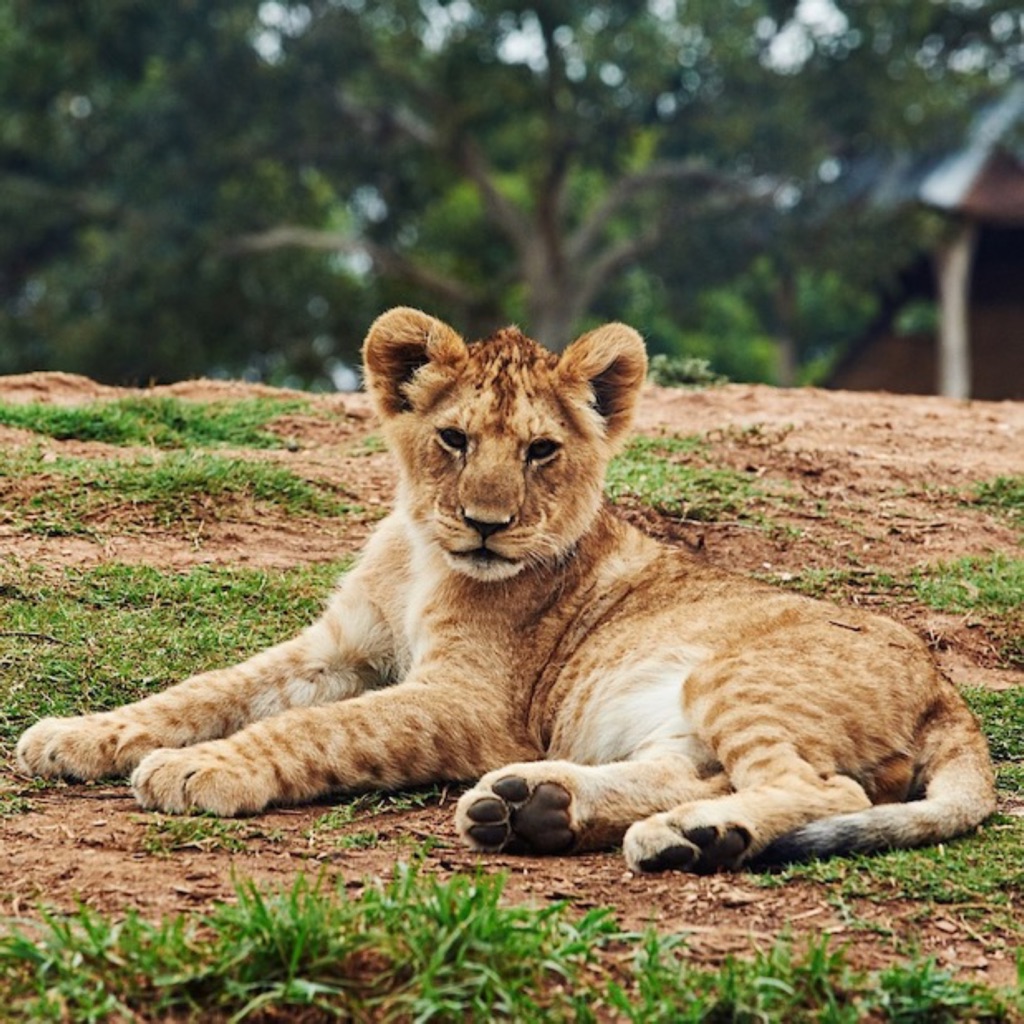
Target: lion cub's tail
[959, 793]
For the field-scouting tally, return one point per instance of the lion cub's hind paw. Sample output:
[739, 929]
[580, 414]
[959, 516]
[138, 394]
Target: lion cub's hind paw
[512, 816]
[653, 845]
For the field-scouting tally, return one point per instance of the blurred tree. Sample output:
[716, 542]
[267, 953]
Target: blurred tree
[196, 185]
[133, 136]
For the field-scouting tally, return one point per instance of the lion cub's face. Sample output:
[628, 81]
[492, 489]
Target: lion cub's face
[502, 444]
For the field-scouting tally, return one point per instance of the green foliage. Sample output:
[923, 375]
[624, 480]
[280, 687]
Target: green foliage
[93, 639]
[682, 371]
[774, 986]
[369, 805]
[778, 985]
[158, 422]
[838, 584]
[720, 330]
[931, 993]
[982, 584]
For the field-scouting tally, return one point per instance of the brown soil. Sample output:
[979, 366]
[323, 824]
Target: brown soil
[872, 482]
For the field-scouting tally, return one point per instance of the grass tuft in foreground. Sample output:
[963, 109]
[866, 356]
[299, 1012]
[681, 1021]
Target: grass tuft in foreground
[417, 948]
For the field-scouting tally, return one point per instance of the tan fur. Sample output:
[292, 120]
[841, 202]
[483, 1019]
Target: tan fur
[503, 623]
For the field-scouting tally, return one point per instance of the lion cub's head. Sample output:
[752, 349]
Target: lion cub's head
[502, 445]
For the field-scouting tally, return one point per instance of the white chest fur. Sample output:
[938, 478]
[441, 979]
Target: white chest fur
[633, 709]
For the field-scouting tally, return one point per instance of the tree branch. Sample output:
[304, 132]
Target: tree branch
[387, 261]
[587, 236]
[623, 253]
[502, 211]
[372, 122]
[615, 257]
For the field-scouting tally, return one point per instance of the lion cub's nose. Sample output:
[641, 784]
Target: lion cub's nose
[484, 528]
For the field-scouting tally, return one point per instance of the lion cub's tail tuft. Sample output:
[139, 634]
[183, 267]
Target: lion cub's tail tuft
[959, 795]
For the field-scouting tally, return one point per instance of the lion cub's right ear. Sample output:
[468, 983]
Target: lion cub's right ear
[610, 363]
[407, 356]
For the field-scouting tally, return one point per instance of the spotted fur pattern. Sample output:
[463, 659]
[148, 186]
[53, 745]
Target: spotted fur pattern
[504, 625]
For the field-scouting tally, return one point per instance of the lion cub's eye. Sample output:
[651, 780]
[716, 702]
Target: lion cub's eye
[453, 439]
[541, 449]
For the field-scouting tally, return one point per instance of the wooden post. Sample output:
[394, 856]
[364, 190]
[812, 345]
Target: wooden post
[953, 271]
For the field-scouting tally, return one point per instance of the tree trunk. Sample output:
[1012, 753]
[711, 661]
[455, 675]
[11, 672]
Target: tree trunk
[953, 274]
[785, 332]
[552, 293]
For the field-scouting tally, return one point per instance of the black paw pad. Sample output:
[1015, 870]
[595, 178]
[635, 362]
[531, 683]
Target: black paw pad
[543, 822]
[490, 826]
[511, 788]
[492, 837]
[719, 848]
[487, 811]
[672, 858]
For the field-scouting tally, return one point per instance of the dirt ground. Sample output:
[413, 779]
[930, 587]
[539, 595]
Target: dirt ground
[874, 482]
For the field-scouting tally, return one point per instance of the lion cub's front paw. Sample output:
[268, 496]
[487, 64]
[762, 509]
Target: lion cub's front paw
[200, 778]
[89, 747]
[507, 812]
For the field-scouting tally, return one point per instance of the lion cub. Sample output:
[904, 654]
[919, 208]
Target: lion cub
[503, 622]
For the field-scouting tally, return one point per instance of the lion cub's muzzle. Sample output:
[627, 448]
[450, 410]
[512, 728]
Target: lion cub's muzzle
[484, 559]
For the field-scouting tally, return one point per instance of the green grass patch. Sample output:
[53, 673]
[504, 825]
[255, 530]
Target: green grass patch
[13, 803]
[73, 494]
[96, 638]
[368, 805]
[781, 985]
[978, 873]
[157, 422]
[366, 839]
[1001, 713]
[372, 444]
[657, 472]
[1005, 495]
[416, 948]
[993, 583]
[330, 828]
[683, 372]
[840, 584]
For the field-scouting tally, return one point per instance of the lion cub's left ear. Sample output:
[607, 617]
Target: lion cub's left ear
[612, 362]
[407, 357]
